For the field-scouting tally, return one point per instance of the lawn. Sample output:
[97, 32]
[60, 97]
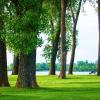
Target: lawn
[52, 88]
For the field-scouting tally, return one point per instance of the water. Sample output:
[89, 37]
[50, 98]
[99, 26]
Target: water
[57, 73]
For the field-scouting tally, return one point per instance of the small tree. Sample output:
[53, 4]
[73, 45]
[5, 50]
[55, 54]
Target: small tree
[53, 33]
[75, 7]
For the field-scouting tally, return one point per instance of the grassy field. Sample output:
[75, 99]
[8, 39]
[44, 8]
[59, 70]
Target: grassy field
[52, 88]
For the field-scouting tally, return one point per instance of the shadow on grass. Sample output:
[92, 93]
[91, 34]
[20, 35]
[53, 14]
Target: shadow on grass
[51, 94]
[84, 83]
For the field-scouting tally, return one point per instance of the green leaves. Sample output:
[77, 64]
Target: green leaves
[22, 31]
[47, 52]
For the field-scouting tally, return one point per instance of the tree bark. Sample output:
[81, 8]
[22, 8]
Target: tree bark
[3, 65]
[70, 71]
[63, 39]
[54, 50]
[15, 65]
[27, 71]
[75, 20]
[98, 65]
[54, 53]
[3, 59]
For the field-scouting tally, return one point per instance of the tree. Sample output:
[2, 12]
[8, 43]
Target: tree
[98, 65]
[52, 8]
[3, 58]
[23, 38]
[63, 39]
[75, 20]
[55, 42]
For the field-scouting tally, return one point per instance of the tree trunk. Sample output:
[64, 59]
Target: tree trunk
[27, 71]
[15, 65]
[98, 66]
[54, 50]
[3, 59]
[63, 39]
[3, 65]
[75, 20]
[54, 53]
[70, 71]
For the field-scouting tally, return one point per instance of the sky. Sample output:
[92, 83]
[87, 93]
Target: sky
[87, 48]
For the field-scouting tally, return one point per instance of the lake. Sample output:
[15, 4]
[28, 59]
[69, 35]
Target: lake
[57, 72]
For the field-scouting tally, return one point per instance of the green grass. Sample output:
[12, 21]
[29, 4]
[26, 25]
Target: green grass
[52, 88]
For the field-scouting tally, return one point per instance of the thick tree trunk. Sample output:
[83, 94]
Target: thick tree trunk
[27, 71]
[75, 20]
[15, 65]
[3, 65]
[98, 66]
[63, 39]
[3, 58]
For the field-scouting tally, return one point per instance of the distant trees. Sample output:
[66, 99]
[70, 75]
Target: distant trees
[42, 66]
[84, 66]
[79, 66]
[15, 65]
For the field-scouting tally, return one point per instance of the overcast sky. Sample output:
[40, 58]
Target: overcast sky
[87, 48]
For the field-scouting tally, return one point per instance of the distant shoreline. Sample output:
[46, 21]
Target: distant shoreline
[57, 73]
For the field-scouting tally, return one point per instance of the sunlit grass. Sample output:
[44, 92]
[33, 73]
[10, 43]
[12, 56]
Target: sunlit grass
[52, 88]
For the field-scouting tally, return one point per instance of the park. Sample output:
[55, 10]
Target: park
[55, 29]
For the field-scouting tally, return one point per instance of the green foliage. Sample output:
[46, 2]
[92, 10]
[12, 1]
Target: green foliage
[2, 18]
[79, 66]
[23, 30]
[84, 66]
[10, 67]
[42, 66]
[23, 38]
[74, 5]
[47, 52]
[52, 8]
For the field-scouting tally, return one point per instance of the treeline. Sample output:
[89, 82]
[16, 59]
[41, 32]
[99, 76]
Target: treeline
[79, 66]
[84, 66]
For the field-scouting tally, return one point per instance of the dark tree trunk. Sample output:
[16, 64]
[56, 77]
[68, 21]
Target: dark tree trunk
[54, 50]
[27, 71]
[98, 66]
[63, 39]
[3, 58]
[75, 19]
[54, 53]
[70, 71]
[15, 65]
[3, 65]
